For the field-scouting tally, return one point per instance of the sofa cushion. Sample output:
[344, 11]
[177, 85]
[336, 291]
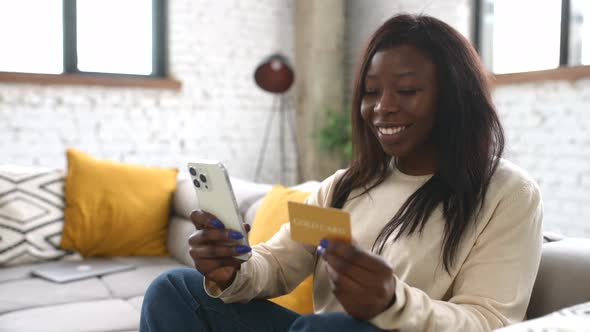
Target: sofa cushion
[16, 272]
[136, 302]
[184, 200]
[563, 277]
[116, 209]
[92, 316]
[272, 214]
[179, 231]
[250, 213]
[34, 292]
[31, 214]
[246, 192]
[131, 283]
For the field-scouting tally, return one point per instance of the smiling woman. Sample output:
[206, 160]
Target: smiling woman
[446, 235]
[399, 106]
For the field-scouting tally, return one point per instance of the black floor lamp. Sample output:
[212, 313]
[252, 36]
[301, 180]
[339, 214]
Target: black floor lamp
[275, 75]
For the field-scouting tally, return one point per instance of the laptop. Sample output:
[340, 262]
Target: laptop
[64, 271]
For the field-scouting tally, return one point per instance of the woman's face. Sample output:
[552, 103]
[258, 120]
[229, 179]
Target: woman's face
[398, 103]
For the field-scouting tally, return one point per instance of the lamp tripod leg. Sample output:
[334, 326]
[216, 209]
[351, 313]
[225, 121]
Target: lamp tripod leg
[265, 141]
[292, 123]
[282, 137]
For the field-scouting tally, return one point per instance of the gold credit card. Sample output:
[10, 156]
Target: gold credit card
[310, 224]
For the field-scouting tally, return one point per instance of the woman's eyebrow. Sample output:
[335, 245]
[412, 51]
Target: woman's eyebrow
[400, 74]
[406, 73]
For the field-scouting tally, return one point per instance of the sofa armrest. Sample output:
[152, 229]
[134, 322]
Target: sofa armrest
[179, 230]
[246, 193]
[563, 276]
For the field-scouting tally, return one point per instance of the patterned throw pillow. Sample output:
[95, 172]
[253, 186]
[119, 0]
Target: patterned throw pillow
[31, 214]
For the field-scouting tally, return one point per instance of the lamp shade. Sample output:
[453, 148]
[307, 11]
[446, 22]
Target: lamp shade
[274, 74]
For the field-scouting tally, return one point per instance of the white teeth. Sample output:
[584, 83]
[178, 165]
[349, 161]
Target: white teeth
[391, 130]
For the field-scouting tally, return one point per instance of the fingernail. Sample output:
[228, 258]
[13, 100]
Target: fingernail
[217, 224]
[243, 249]
[324, 243]
[247, 227]
[235, 235]
[320, 251]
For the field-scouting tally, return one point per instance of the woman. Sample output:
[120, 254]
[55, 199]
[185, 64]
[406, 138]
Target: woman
[447, 235]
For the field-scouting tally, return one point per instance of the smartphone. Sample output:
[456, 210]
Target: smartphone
[216, 196]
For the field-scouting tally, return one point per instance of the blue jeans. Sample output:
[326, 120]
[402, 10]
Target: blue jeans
[176, 301]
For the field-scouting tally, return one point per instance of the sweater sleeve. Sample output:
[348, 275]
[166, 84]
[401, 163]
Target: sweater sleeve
[493, 287]
[277, 266]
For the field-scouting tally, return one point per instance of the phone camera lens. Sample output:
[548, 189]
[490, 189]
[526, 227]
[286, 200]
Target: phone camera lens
[193, 171]
[203, 178]
[197, 183]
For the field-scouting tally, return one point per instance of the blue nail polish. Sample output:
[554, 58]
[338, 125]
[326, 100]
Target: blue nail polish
[324, 243]
[217, 224]
[235, 235]
[243, 249]
[320, 251]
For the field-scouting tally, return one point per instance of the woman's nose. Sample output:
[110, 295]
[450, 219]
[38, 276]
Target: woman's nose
[386, 104]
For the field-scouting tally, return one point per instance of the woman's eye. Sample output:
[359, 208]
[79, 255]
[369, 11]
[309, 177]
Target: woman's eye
[371, 92]
[407, 92]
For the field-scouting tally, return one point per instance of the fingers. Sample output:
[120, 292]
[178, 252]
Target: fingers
[353, 264]
[350, 270]
[206, 266]
[209, 235]
[362, 294]
[356, 300]
[339, 282]
[363, 282]
[357, 257]
[212, 243]
[219, 251]
[202, 219]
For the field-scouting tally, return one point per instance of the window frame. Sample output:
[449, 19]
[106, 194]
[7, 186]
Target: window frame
[563, 72]
[159, 78]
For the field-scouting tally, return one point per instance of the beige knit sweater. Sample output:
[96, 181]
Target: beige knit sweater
[488, 287]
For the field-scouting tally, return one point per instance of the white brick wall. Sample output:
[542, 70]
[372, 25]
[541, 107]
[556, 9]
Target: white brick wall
[220, 113]
[547, 124]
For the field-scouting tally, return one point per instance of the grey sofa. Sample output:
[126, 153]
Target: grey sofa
[112, 302]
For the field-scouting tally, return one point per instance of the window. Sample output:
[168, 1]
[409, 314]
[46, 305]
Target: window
[83, 36]
[530, 35]
[580, 33]
[25, 34]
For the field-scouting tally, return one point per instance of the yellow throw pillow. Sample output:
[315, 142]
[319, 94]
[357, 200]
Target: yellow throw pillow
[116, 209]
[271, 215]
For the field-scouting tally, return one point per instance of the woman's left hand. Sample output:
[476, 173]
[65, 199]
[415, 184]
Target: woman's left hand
[363, 282]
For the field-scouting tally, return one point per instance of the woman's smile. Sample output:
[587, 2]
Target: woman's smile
[391, 134]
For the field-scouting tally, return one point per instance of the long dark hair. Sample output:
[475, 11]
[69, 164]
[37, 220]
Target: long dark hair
[468, 136]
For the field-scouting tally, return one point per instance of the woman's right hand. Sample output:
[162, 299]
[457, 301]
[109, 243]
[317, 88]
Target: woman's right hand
[211, 249]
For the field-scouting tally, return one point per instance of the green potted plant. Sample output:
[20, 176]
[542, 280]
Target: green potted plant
[334, 136]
